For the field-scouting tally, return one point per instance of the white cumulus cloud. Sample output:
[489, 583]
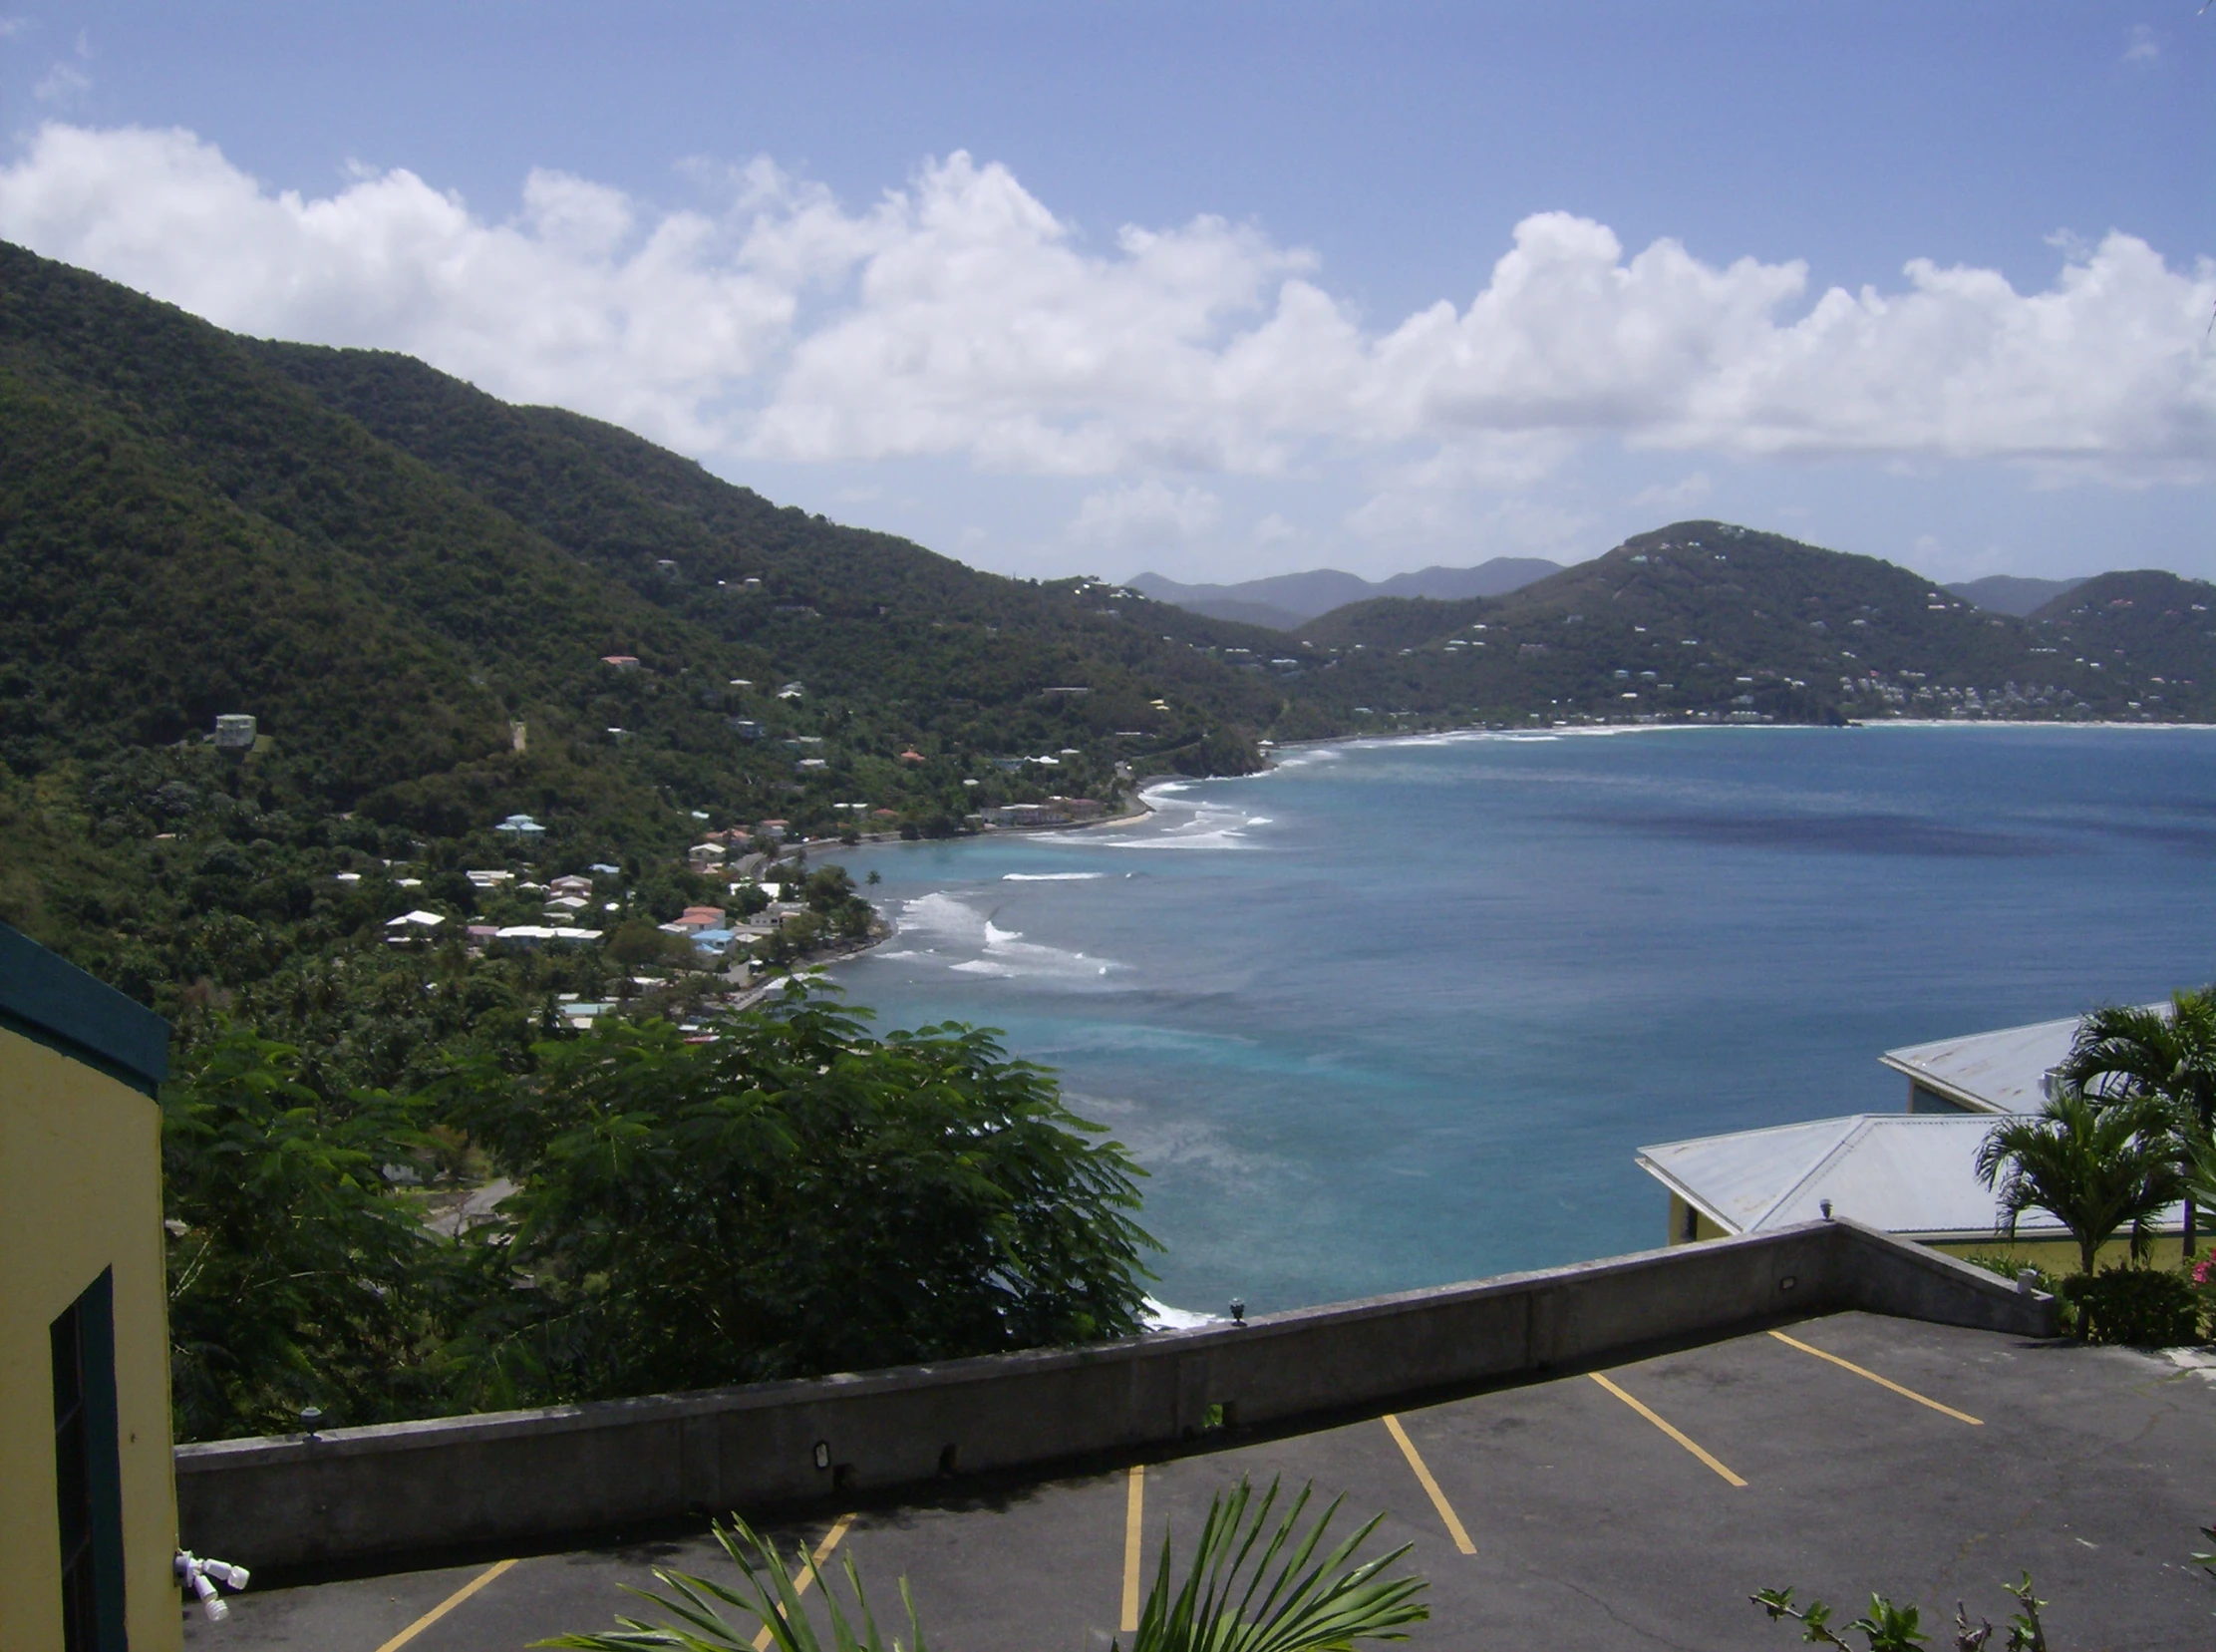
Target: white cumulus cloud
[1675, 496]
[960, 317]
[1146, 514]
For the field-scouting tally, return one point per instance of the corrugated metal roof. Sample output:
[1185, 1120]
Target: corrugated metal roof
[1903, 1173]
[1997, 1072]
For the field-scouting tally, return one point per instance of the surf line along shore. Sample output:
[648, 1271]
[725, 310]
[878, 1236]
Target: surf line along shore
[883, 930]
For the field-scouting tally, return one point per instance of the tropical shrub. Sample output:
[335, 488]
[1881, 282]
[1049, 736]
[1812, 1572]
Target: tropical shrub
[1886, 1628]
[2144, 1307]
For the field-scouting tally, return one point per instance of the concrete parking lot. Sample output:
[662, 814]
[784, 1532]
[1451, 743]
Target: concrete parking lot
[1634, 1506]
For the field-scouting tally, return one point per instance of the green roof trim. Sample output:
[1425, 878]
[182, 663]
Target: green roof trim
[45, 997]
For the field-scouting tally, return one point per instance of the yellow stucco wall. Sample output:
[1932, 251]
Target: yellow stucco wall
[2057, 1256]
[81, 1192]
[1702, 1228]
[2060, 1256]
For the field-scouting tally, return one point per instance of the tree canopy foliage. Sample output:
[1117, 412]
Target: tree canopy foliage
[791, 1196]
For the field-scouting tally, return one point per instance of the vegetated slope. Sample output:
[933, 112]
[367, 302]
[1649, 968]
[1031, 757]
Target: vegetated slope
[186, 531]
[2008, 593]
[1708, 619]
[189, 529]
[1286, 600]
[2151, 632]
[966, 657]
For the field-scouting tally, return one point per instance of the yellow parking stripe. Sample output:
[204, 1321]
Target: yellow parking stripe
[1134, 1511]
[1431, 1486]
[444, 1606]
[1882, 1382]
[802, 1578]
[1665, 1427]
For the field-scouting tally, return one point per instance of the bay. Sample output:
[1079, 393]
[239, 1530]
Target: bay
[1400, 1013]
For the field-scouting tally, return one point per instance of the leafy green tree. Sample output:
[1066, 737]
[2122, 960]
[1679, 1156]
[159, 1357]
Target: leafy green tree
[296, 1276]
[2123, 1051]
[2095, 1169]
[791, 1196]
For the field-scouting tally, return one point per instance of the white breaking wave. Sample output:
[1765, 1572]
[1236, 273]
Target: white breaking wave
[1210, 826]
[1047, 877]
[942, 918]
[1161, 1316]
[997, 953]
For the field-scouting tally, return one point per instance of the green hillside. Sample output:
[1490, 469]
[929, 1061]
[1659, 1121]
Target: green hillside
[192, 524]
[412, 586]
[481, 559]
[1708, 619]
[2150, 631]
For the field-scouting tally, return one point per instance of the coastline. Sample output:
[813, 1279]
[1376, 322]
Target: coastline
[1592, 730]
[1139, 811]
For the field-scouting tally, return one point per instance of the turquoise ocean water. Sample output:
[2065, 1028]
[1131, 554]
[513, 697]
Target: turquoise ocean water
[1398, 1013]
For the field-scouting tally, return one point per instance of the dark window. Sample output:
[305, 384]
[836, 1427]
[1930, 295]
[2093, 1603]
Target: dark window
[1921, 1099]
[88, 1471]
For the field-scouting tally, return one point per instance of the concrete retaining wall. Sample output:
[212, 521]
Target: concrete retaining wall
[527, 1475]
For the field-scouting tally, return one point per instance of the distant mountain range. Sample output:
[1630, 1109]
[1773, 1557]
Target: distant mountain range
[1716, 622]
[1284, 600]
[2008, 593]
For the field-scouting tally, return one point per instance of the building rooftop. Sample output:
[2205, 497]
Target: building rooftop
[2004, 1071]
[49, 1000]
[1914, 1175]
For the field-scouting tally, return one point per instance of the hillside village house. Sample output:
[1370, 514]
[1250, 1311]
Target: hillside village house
[1911, 1174]
[88, 1519]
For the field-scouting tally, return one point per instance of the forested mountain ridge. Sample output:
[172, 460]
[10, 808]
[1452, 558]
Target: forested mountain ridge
[1285, 601]
[186, 531]
[851, 612]
[1706, 618]
[207, 533]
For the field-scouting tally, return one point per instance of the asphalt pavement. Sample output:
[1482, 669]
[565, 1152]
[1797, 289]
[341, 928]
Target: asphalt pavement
[1627, 1507]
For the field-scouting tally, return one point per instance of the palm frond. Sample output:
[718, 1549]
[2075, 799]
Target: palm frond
[1257, 1587]
[2095, 1168]
[769, 1599]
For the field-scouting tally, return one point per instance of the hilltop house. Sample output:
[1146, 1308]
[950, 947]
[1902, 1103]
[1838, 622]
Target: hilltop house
[87, 1528]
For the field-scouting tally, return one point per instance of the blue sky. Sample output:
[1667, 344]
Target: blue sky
[1219, 290]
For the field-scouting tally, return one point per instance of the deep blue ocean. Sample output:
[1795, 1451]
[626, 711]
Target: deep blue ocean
[1400, 1013]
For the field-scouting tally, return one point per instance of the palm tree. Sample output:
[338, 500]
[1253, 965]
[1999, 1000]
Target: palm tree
[1289, 1603]
[2121, 1052]
[2093, 1169]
